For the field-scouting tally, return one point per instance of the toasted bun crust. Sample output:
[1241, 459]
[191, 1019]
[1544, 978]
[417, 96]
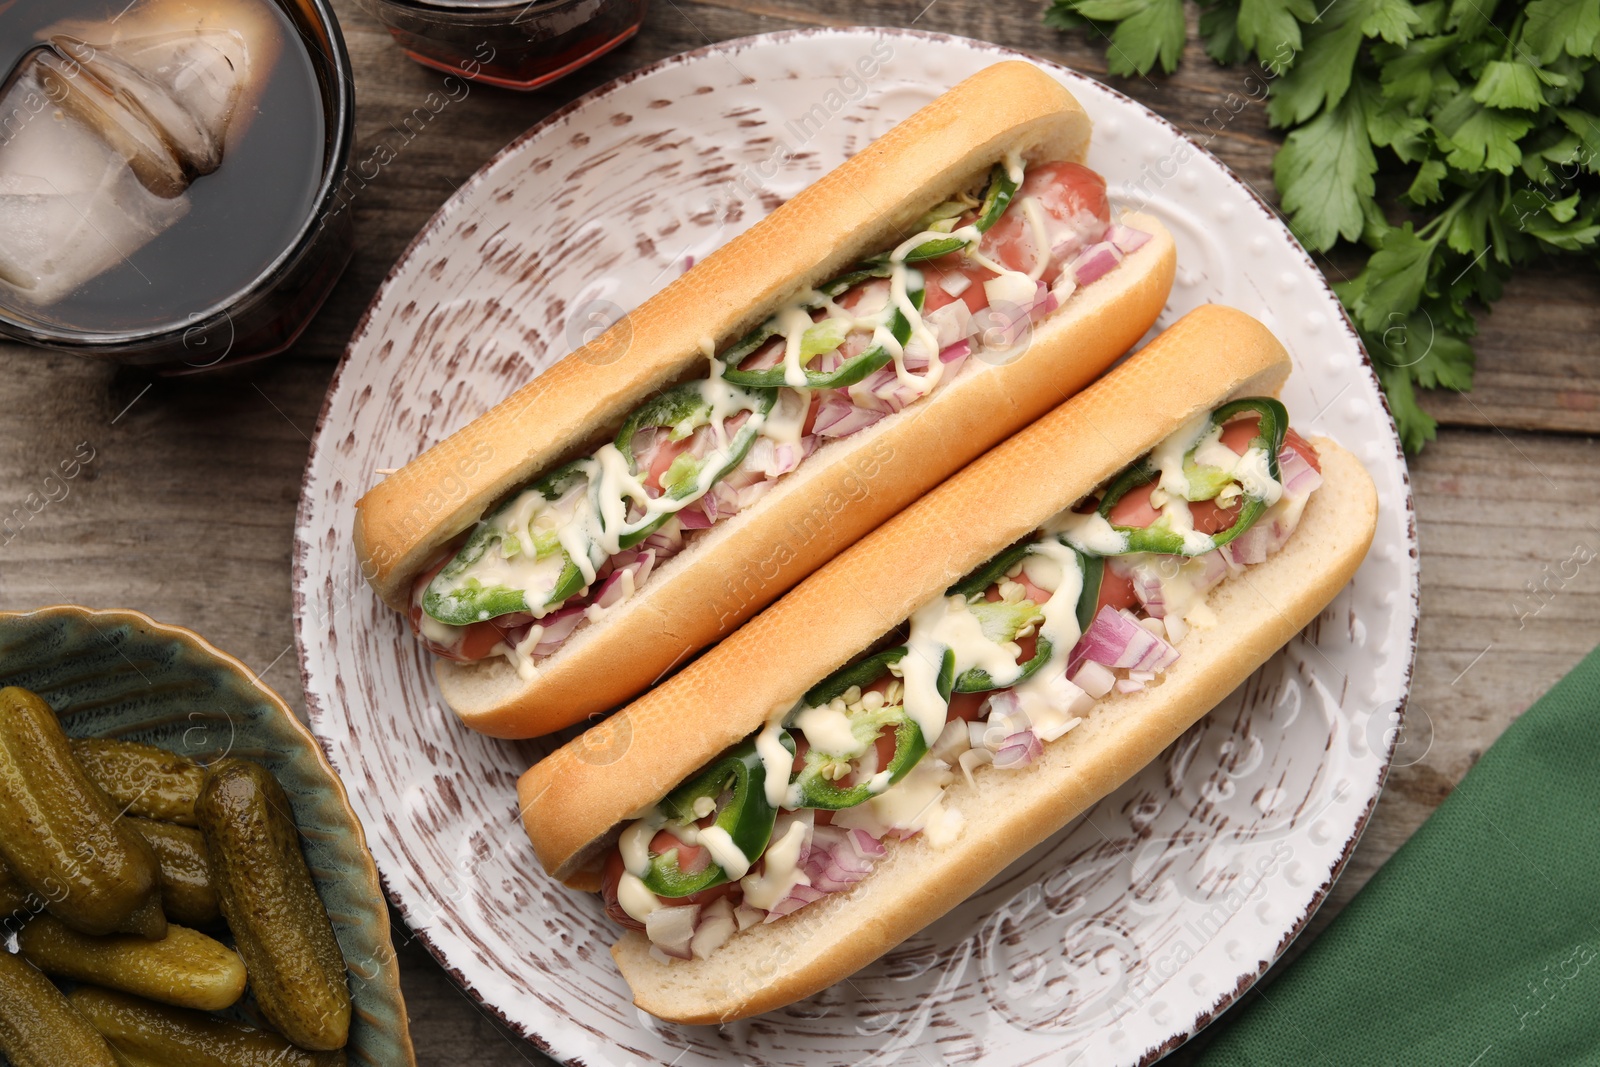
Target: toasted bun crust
[857, 208]
[843, 491]
[767, 967]
[574, 798]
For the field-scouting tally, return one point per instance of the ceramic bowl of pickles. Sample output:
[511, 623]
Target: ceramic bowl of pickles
[181, 875]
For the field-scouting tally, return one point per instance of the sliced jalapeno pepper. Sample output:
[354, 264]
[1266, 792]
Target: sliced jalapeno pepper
[818, 791]
[849, 372]
[450, 599]
[1094, 572]
[736, 783]
[682, 410]
[1001, 622]
[1159, 536]
[996, 198]
[861, 673]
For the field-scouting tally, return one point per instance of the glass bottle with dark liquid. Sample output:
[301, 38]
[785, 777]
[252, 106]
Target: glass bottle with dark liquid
[167, 175]
[516, 45]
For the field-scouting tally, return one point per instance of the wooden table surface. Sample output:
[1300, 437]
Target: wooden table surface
[187, 507]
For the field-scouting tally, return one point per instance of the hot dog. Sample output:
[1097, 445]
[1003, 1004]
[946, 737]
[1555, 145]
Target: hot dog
[956, 279]
[944, 695]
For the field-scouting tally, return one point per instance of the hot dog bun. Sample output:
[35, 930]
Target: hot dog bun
[574, 799]
[769, 966]
[843, 491]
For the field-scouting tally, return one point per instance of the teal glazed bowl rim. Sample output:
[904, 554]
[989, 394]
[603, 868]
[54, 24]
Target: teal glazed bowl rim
[120, 673]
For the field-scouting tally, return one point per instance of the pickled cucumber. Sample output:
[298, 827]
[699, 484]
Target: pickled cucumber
[144, 780]
[60, 834]
[15, 897]
[187, 895]
[186, 969]
[38, 1028]
[148, 1033]
[279, 923]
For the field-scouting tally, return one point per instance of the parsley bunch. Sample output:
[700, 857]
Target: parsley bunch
[1478, 116]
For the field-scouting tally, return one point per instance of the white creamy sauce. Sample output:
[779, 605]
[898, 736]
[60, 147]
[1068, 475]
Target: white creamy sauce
[791, 323]
[636, 898]
[1167, 457]
[828, 730]
[780, 869]
[775, 759]
[1060, 625]
[919, 669]
[635, 843]
[915, 803]
[724, 853]
[1091, 533]
[1041, 237]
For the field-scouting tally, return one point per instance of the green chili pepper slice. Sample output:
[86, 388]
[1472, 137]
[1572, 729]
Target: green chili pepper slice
[817, 791]
[1094, 571]
[737, 784]
[849, 372]
[1158, 536]
[461, 603]
[997, 198]
[1000, 622]
[683, 410]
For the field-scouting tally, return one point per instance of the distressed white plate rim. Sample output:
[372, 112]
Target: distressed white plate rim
[1110, 944]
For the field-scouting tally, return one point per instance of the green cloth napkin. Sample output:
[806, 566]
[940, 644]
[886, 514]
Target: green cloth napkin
[1478, 943]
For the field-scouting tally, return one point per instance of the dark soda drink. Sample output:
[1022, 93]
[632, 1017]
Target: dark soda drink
[515, 46]
[164, 166]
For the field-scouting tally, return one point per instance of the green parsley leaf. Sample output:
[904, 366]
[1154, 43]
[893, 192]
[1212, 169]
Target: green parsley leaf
[1425, 186]
[1556, 26]
[1479, 137]
[1266, 25]
[1480, 120]
[1148, 32]
[1324, 173]
[1393, 20]
[1509, 84]
[1322, 74]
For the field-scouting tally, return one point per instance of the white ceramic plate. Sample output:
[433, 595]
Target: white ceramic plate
[1110, 944]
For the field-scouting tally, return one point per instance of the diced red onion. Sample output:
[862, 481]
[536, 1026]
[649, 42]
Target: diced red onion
[1298, 475]
[1251, 546]
[1094, 262]
[1019, 750]
[958, 351]
[746, 916]
[644, 445]
[1128, 685]
[867, 845]
[1045, 304]
[1127, 239]
[1114, 640]
[837, 417]
[1093, 678]
[665, 541]
[639, 564]
[837, 860]
[798, 897]
[1148, 588]
[694, 517]
[951, 323]
[973, 758]
[672, 929]
[715, 926]
[771, 458]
